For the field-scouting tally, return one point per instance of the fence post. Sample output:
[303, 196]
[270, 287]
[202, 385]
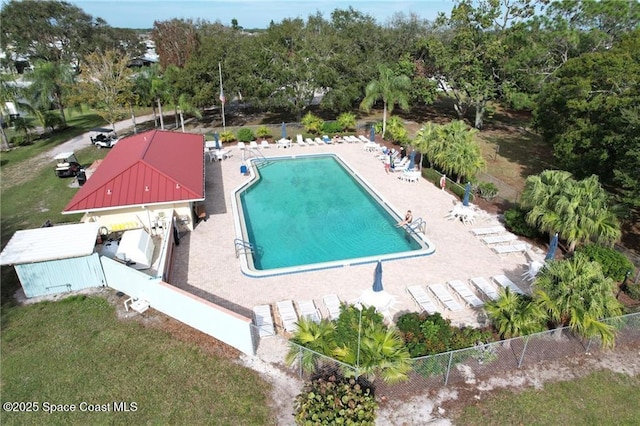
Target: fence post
[446, 378]
[524, 350]
[300, 362]
[586, 351]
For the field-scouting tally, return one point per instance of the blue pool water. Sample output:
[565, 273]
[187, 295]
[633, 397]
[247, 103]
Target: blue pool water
[309, 210]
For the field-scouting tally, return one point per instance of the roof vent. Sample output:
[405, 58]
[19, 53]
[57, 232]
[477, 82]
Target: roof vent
[146, 188]
[177, 186]
[108, 192]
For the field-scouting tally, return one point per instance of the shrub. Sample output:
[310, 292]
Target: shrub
[331, 398]
[227, 136]
[516, 222]
[263, 132]
[632, 290]
[431, 334]
[18, 140]
[331, 127]
[487, 190]
[614, 264]
[347, 121]
[312, 123]
[245, 135]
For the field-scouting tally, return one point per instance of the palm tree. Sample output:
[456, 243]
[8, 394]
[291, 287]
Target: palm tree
[580, 211]
[460, 155]
[50, 82]
[389, 87]
[357, 338]
[315, 336]
[513, 315]
[143, 88]
[429, 141]
[185, 106]
[575, 293]
[25, 125]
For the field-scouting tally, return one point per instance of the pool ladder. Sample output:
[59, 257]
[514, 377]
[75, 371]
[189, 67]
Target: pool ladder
[418, 224]
[261, 160]
[242, 247]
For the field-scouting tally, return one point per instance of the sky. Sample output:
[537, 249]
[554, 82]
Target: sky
[249, 13]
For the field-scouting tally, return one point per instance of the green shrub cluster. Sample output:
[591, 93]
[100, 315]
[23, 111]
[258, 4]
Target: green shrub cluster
[331, 128]
[333, 399]
[19, 140]
[347, 121]
[614, 264]
[515, 220]
[431, 334]
[245, 135]
[263, 132]
[227, 136]
[632, 290]
[312, 123]
[487, 190]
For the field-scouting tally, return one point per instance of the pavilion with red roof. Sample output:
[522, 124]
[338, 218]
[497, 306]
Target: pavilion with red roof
[145, 180]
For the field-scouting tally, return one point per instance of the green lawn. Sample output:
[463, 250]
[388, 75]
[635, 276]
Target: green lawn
[77, 350]
[601, 398]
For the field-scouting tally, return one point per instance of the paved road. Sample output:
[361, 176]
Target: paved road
[83, 141]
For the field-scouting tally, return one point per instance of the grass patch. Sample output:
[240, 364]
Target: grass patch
[77, 126]
[601, 398]
[77, 350]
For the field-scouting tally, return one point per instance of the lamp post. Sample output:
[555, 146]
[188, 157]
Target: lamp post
[358, 306]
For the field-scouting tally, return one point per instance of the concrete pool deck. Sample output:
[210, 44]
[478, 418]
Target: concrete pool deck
[205, 263]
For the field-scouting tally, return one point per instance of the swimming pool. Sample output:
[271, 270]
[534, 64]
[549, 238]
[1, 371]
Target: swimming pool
[311, 212]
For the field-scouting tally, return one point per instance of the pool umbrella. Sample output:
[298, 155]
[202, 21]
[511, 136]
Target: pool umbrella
[467, 191]
[284, 130]
[372, 134]
[377, 278]
[553, 245]
[412, 160]
[216, 137]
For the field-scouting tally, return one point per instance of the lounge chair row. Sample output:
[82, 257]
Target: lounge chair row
[461, 291]
[289, 316]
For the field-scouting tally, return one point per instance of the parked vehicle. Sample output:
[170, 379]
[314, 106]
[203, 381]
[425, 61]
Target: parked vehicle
[67, 165]
[103, 138]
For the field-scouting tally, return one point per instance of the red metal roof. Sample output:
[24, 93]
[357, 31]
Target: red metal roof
[152, 167]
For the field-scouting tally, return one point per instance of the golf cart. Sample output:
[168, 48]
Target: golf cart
[103, 137]
[67, 165]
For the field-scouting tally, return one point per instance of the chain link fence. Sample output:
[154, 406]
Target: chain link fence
[481, 360]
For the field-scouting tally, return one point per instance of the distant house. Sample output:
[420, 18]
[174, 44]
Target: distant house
[145, 181]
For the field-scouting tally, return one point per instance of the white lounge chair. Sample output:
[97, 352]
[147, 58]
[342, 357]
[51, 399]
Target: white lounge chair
[300, 141]
[310, 141]
[319, 141]
[265, 144]
[410, 176]
[288, 315]
[445, 297]
[533, 269]
[308, 310]
[401, 165]
[497, 239]
[241, 145]
[283, 143]
[263, 320]
[488, 231]
[465, 292]
[421, 297]
[504, 282]
[253, 144]
[364, 139]
[332, 303]
[485, 288]
[514, 248]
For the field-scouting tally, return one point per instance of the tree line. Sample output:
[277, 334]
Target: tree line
[573, 63]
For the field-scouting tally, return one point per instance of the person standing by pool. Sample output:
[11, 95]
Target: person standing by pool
[408, 218]
[387, 164]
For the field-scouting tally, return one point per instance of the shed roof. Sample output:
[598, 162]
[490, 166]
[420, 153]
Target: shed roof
[55, 242]
[153, 167]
